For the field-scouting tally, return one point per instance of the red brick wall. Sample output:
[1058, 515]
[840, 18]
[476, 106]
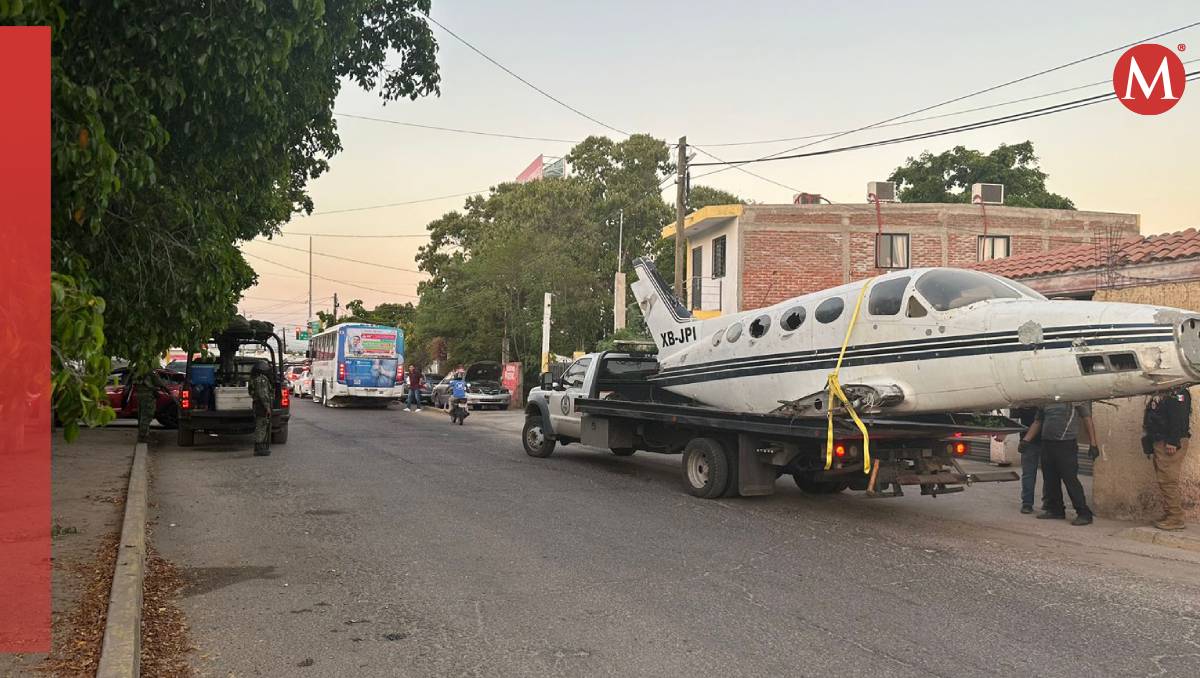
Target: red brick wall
[789, 251]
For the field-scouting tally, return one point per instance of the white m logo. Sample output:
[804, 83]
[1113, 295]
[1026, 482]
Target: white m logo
[1163, 72]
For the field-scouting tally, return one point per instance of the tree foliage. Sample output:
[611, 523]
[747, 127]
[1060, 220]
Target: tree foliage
[181, 129]
[948, 176]
[491, 263]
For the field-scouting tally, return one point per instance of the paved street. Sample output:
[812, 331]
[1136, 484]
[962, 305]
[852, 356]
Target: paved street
[384, 543]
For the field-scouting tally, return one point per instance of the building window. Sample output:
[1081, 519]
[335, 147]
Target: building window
[718, 263]
[891, 250]
[993, 247]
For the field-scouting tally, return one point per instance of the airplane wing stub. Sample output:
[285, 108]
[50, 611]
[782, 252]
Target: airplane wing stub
[863, 398]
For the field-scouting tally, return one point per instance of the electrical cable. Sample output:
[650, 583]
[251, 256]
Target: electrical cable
[455, 129]
[321, 277]
[334, 256]
[979, 92]
[396, 204]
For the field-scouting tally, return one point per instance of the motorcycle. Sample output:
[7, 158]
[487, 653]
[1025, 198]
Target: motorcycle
[458, 411]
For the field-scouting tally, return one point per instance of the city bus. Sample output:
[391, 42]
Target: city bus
[354, 363]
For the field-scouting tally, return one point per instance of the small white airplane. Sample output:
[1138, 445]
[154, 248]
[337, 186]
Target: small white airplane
[925, 340]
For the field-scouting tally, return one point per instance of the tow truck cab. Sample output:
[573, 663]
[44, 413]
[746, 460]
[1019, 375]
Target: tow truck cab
[215, 397]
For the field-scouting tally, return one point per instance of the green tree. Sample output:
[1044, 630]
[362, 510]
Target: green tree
[700, 197]
[179, 130]
[948, 176]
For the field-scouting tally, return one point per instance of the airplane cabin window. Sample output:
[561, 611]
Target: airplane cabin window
[948, 289]
[916, 309]
[717, 339]
[887, 297]
[760, 326]
[792, 319]
[733, 333]
[829, 310]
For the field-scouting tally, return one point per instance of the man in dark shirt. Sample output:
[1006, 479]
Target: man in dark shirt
[1058, 426]
[1168, 426]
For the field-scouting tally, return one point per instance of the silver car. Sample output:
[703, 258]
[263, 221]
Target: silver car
[483, 387]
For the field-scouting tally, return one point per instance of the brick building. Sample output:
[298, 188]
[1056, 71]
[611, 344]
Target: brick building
[748, 256]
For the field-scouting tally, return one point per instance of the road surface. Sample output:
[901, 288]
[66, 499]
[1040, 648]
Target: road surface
[384, 543]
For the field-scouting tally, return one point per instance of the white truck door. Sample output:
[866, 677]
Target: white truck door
[562, 403]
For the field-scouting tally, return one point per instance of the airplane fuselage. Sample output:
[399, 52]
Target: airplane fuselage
[944, 339]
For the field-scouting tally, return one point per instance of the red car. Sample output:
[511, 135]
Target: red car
[124, 401]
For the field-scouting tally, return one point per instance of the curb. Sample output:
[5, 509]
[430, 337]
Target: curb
[120, 655]
[1150, 535]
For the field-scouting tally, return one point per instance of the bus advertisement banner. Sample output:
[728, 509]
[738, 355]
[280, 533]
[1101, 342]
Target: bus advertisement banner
[378, 373]
[371, 355]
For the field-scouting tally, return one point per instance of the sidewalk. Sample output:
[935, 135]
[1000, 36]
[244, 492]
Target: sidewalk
[89, 479]
[980, 509]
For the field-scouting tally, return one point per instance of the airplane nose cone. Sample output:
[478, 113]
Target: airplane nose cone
[1187, 336]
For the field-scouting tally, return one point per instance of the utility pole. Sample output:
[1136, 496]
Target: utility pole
[310, 315]
[335, 308]
[680, 213]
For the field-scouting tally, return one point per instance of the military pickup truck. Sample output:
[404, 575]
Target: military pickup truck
[608, 400]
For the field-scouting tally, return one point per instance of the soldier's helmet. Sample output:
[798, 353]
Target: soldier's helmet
[261, 367]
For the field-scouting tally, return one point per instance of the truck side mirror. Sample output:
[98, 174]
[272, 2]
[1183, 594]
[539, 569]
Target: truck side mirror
[547, 381]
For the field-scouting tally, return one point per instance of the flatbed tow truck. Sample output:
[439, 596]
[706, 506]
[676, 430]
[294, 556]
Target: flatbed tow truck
[604, 400]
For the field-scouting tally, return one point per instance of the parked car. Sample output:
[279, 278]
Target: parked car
[483, 387]
[302, 385]
[124, 401]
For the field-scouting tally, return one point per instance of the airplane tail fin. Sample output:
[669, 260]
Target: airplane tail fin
[671, 325]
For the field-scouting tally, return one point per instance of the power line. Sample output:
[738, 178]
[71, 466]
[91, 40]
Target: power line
[532, 86]
[334, 256]
[972, 94]
[982, 124]
[456, 130]
[763, 142]
[321, 277]
[356, 235]
[396, 204]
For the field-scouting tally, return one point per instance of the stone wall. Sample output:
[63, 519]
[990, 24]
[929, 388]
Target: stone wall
[1123, 479]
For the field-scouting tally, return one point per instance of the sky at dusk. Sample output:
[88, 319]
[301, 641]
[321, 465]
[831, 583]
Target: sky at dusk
[724, 72]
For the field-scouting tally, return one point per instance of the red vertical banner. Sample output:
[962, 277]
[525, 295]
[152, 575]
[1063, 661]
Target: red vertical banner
[25, 339]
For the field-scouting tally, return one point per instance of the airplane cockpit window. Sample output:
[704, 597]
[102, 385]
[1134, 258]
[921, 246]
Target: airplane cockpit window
[733, 333]
[829, 310]
[792, 319]
[916, 309]
[947, 289]
[887, 297]
[760, 326]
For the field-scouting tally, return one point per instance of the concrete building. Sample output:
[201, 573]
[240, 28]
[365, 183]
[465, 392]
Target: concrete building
[1159, 269]
[748, 256]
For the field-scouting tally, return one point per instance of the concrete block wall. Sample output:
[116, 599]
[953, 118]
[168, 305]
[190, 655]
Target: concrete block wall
[1123, 479]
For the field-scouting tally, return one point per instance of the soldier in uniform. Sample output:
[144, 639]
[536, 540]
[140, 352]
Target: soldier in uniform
[147, 385]
[1167, 424]
[263, 395]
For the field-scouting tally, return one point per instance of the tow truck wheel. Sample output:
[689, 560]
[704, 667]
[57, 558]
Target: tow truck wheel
[186, 436]
[534, 438]
[623, 451]
[809, 486]
[705, 468]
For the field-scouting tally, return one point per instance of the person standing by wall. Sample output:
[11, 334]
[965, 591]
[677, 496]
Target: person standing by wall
[1058, 426]
[1167, 422]
[262, 395]
[414, 389]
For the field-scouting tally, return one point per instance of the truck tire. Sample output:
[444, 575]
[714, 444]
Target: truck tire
[534, 438]
[168, 416]
[185, 436]
[705, 468]
[623, 451]
[808, 485]
[279, 437]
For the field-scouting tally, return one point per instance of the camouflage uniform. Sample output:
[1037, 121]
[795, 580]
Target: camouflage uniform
[147, 388]
[263, 396]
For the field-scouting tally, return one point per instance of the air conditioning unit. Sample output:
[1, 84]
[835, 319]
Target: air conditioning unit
[988, 194]
[881, 191]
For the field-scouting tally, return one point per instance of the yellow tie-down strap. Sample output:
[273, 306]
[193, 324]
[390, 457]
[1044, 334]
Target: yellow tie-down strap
[835, 391]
